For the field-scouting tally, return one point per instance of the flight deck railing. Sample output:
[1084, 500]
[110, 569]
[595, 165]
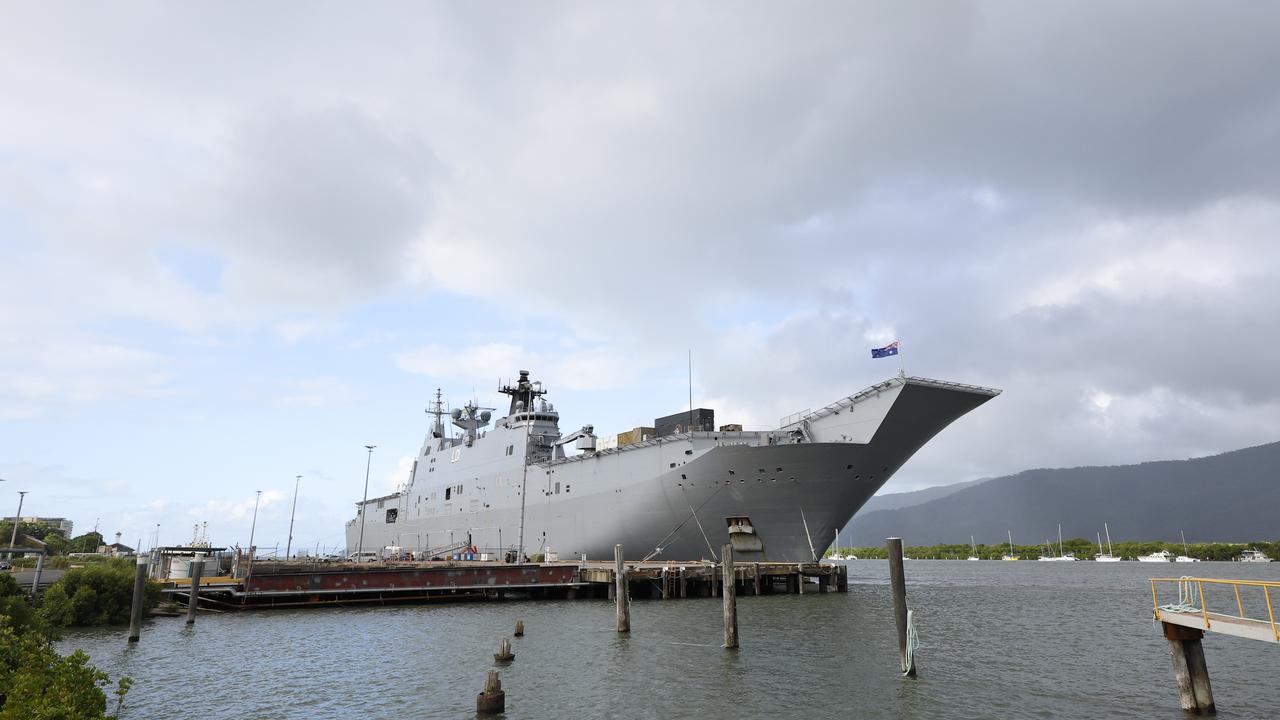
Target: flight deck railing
[1195, 608]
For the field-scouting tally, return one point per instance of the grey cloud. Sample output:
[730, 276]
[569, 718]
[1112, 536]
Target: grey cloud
[770, 185]
[320, 205]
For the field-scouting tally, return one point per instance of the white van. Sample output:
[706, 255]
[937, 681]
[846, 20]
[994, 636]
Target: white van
[363, 557]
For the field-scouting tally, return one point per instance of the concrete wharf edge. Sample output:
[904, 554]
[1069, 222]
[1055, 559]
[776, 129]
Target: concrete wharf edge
[292, 585]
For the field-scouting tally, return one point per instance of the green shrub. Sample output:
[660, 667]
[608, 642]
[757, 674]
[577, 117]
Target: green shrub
[36, 683]
[95, 595]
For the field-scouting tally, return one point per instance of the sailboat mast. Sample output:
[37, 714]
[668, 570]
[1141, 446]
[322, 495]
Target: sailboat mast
[1104, 527]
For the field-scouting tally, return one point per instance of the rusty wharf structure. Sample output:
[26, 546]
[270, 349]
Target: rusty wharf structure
[303, 585]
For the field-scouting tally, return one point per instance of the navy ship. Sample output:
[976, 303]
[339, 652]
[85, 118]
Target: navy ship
[506, 488]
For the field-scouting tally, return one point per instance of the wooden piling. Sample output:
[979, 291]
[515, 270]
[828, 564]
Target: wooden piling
[666, 584]
[730, 599]
[519, 628]
[35, 579]
[1195, 694]
[755, 573]
[492, 700]
[193, 598]
[684, 584]
[620, 590]
[504, 654]
[135, 614]
[842, 581]
[799, 579]
[898, 584]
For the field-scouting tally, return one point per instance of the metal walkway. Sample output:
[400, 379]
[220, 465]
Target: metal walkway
[1243, 608]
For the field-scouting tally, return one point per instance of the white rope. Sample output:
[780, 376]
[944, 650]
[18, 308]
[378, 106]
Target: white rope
[913, 641]
[1188, 595]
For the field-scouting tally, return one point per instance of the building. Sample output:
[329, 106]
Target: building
[63, 525]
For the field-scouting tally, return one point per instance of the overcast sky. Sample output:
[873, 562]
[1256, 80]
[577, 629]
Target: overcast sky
[241, 241]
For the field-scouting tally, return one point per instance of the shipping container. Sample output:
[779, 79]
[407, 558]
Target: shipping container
[636, 435]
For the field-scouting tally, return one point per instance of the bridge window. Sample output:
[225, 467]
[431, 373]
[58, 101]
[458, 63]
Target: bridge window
[392, 514]
[448, 492]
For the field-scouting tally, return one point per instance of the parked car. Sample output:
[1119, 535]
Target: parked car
[6, 565]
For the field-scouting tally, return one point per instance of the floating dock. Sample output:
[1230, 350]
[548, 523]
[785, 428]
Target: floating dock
[293, 585]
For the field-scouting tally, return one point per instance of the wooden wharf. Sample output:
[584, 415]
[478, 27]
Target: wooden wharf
[295, 585]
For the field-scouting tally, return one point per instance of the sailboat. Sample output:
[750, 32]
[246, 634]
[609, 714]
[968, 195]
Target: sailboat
[835, 556]
[1061, 556]
[1185, 557]
[973, 549]
[1107, 556]
[1011, 555]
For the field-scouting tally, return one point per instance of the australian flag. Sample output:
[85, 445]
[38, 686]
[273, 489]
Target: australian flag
[886, 351]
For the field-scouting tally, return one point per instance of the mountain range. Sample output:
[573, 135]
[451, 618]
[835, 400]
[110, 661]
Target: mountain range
[1231, 497]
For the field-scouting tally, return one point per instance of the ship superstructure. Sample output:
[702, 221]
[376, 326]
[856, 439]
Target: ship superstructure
[511, 490]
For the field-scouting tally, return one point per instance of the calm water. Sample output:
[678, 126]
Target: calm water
[1020, 639]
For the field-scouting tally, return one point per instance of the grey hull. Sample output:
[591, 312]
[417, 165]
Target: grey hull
[674, 498]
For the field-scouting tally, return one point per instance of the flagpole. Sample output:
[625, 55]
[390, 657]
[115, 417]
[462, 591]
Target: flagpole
[902, 363]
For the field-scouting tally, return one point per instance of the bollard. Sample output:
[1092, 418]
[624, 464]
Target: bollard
[898, 584]
[730, 599]
[493, 700]
[620, 590]
[519, 627]
[504, 654]
[135, 615]
[193, 598]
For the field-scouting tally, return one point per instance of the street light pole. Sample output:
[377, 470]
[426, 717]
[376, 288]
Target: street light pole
[363, 509]
[288, 545]
[254, 526]
[22, 495]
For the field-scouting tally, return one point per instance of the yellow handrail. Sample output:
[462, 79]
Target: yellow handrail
[1266, 585]
[1266, 590]
[1204, 606]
